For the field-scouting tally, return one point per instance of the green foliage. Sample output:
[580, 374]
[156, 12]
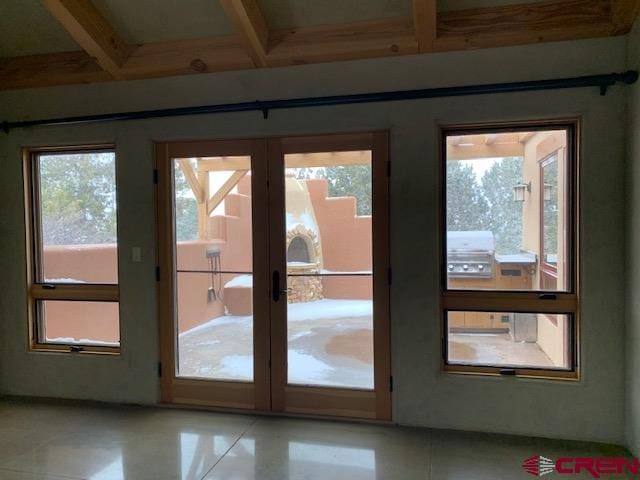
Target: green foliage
[504, 216]
[466, 204]
[351, 181]
[488, 204]
[186, 208]
[78, 199]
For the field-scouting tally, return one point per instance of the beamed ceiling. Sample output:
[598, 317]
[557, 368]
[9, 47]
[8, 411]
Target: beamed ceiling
[57, 42]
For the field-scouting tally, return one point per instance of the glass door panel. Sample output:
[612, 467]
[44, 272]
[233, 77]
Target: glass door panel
[214, 273]
[328, 236]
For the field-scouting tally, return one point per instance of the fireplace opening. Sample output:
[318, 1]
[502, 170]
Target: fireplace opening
[298, 251]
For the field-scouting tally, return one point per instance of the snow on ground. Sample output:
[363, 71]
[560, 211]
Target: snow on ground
[245, 281]
[300, 312]
[329, 309]
[237, 366]
[304, 368]
[82, 341]
[63, 280]
[221, 348]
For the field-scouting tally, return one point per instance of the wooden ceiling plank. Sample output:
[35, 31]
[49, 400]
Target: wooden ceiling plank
[48, 70]
[251, 26]
[623, 15]
[459, 30]
[523, 24]
[331, 43]
[92, 32]
[425, 23]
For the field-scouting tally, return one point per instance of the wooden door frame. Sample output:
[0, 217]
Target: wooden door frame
[347, 402]
[217, 393]
[269, 392]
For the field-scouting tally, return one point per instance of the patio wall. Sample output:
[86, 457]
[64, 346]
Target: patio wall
[346, 240]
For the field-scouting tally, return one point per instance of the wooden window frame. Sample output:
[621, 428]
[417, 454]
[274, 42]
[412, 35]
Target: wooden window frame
[550, 302]
[546, 267]
[38, 291]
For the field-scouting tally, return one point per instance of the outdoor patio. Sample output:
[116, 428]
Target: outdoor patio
[495, 349]
[330, 343]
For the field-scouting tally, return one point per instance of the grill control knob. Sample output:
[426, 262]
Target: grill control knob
[465, 267]
[480, 267]
[450, 267]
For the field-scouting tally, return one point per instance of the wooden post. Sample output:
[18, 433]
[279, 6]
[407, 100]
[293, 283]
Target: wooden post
[203, 215]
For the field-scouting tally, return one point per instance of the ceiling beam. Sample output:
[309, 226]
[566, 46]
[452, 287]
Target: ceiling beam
[350, 41]
[92, 32]
[425, 23]
[458, 30]
[529, 23]
[251, 26]
[623, 14]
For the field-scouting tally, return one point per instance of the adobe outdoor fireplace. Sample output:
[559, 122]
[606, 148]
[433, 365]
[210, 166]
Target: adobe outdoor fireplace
[304, 248]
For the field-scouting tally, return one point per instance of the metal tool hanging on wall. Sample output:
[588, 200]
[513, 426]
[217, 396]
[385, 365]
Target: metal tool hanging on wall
[215, 267]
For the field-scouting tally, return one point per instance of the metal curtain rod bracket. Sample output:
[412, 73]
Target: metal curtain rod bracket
[601, 81]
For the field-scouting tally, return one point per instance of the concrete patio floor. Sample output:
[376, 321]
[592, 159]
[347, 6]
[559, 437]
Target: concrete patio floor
[330, 344]
[495, 349]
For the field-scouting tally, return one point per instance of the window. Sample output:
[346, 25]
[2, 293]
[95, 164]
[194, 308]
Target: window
[72, 261]
[509, 294]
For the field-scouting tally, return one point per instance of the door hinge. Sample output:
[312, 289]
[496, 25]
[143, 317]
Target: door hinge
[157, 274]
[159, 369]
[391, 383]
[155, 176]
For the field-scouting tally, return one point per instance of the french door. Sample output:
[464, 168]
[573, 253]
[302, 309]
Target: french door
[274, 274]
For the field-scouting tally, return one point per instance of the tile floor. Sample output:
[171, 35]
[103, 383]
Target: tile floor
[53, 441]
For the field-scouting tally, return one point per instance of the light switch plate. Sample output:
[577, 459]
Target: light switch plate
[136, 254]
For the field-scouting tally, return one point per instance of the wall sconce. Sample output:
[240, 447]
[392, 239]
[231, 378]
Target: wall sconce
[548, 192]
[519, 190]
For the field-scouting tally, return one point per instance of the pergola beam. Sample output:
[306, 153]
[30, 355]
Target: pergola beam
[480, 151]
[192, 180]
[224, 190]
[92, 32]
[251, 26]
[425, 23]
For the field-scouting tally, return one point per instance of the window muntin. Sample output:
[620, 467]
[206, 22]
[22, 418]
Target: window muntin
[71, 214]
[509, 249]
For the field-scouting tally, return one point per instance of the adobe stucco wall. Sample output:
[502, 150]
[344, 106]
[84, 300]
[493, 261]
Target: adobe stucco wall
[346, 241]
[589, 409]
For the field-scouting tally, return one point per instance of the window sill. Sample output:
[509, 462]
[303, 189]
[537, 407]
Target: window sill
[531, 373]
[74, 349]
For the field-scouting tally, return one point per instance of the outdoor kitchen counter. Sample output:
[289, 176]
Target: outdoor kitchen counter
[521, 258]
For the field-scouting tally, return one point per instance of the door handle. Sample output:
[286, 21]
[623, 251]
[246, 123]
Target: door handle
[275, 285]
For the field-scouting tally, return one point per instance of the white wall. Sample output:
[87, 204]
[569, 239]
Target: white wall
[589, 409]
[633, 245]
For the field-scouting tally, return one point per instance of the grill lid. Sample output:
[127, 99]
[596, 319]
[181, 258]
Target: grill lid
[470, 241]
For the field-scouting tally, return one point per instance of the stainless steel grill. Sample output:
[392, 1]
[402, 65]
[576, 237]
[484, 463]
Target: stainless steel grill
[470, 254]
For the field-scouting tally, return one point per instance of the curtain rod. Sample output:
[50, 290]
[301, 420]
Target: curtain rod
[601, 81]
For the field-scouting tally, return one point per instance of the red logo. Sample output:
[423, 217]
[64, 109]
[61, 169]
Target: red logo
[538, 465]
[595, 466]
